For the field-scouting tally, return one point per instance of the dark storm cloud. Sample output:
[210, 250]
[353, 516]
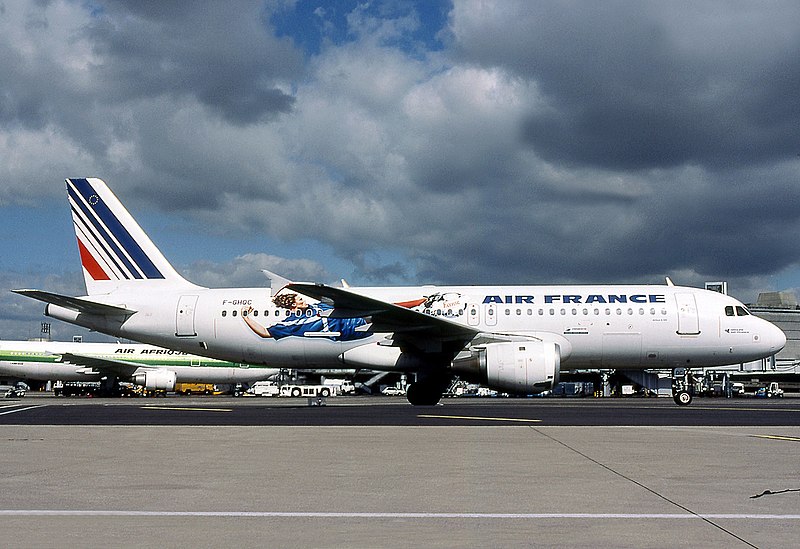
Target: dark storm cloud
[219, 53]
[631, 85]
[537, 142]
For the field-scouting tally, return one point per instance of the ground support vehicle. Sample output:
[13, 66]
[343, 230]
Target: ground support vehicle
[770, 391]
[312, 391]
[265, 389]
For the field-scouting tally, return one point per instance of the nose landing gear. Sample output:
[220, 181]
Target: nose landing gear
[682, 386]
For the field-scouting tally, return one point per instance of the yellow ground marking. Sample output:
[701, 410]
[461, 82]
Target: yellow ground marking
[777, 437]
[478, 418]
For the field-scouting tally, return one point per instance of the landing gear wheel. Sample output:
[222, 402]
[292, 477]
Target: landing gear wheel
[424, 394]
[682, 398]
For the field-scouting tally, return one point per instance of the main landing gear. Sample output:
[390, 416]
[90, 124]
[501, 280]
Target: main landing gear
[427, 391]
[682, 386]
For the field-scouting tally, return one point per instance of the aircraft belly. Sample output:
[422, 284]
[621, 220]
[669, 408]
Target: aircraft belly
[622, 349]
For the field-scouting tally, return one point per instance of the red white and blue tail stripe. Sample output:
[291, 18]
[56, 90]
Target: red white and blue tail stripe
[115, 252]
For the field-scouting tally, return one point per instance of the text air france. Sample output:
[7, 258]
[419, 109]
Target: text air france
[568, 299]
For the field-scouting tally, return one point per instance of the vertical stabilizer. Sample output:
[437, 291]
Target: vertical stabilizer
[115, 252]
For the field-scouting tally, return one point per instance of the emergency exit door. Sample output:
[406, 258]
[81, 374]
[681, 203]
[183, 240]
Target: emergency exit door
[688, 319]
[184, 316]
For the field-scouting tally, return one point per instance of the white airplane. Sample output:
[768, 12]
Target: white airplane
[509, 338]
[146, 365]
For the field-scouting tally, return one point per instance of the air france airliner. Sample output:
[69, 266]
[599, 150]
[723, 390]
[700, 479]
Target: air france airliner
[515, 339]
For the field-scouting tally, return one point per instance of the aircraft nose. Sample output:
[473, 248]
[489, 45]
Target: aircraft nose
[775, 338]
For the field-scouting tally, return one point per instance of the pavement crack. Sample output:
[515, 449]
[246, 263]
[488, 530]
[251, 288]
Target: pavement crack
[771, 493]
[644, 487]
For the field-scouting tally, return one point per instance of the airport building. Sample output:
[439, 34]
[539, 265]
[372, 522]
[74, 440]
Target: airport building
[782, 309]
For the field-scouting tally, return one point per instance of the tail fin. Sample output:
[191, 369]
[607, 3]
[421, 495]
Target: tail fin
[116, 254]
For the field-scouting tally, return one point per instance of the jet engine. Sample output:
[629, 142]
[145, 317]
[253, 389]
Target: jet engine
[520, 367]
[159, 380]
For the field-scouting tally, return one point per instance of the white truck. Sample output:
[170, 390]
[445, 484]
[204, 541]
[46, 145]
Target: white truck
[307, 391]
[265, 389]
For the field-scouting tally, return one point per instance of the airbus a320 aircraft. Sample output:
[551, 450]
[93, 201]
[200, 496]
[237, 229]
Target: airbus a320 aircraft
[509, 338]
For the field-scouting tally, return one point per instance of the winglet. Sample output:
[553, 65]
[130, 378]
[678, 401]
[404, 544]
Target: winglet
[277, 282]
[669, 281]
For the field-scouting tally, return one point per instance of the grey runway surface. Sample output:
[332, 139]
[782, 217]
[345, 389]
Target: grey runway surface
[373, 472]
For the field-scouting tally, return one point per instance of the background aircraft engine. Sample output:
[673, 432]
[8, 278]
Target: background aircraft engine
[156, 379]
[520, 367]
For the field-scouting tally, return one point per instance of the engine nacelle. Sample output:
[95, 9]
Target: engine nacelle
[520, 367]
[159, 380]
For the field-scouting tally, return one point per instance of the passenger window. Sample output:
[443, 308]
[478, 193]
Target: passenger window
[233, 313]
[741, 311]
[224, 313]
[729, 311]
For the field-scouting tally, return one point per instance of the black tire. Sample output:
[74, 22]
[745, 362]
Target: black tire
[296, 392]
[682, 398]
[424, 394]
[325, 392]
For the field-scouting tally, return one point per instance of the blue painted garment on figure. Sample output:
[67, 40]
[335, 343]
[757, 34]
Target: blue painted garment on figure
[300, 323]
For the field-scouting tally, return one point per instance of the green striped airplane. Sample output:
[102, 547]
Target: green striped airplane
[147, 365]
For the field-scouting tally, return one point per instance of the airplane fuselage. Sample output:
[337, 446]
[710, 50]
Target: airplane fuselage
[42, 360]
[609, 326]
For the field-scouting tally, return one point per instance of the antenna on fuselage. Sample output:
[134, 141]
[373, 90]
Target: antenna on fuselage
[669, 281]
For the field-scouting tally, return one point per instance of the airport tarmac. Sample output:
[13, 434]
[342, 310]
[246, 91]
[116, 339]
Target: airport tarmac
[377, 472]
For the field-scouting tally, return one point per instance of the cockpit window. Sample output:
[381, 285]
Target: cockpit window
[738, 311]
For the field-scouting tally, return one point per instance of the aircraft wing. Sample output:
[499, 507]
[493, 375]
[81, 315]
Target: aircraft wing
[75, 303]
[406, 324]
[118, 368]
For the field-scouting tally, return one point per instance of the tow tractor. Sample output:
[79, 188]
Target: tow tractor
[770, 391]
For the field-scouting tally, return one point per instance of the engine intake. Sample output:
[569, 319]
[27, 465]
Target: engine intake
[158, 380]
[520, 367]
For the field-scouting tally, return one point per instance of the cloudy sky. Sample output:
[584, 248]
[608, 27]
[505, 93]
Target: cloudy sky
[405, 142]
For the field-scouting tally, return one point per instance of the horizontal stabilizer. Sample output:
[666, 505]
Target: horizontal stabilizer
[76, 303]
